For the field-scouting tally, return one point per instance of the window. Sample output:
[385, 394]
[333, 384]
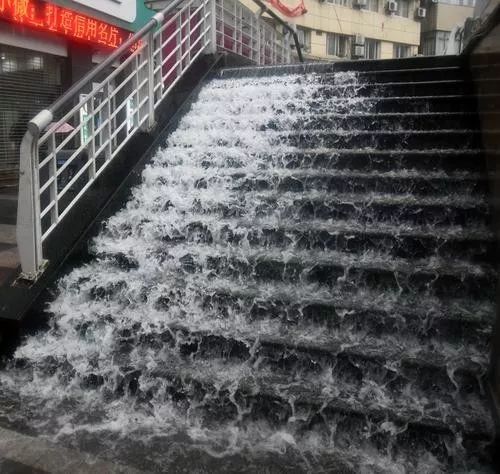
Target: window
[372, 49]
[304, 38]
[338, 45]
[435, 42]
[442, 38]
[429, 45]
[403, 8]
[342, 3]
[373, 5]
[401, 50]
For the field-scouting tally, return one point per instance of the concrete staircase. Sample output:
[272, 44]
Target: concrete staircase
[304, 277]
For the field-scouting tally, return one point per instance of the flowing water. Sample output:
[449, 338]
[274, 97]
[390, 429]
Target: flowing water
[194, 336]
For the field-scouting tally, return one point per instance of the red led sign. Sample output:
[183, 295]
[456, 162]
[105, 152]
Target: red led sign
[52, 18]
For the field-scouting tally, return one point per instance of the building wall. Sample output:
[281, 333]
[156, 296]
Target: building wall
[350, 21]
[326, 18]
[441, 18]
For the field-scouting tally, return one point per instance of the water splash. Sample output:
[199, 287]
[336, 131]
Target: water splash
[204, 331]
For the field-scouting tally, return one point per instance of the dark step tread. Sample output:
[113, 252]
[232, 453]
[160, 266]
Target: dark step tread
[370, 261]
[387, 66]
[451, 309]
[349, 400]
[444, 233]
[356, 121]
[390, 350]
[239, 173]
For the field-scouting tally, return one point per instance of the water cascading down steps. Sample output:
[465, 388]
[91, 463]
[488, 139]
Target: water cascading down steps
[302, 282]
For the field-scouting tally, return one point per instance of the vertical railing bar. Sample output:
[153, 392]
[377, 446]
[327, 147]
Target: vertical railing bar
[109, 124]
[179, 44]
[54, 213]
[151, 80]
[188, 40]
[91, 153]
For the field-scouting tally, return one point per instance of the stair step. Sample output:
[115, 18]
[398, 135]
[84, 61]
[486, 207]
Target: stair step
[284, 354]
[338, 181]
[362, 311]
[448, 160]
[338, 77]
[322, 396]
[357, 121]
[361, 88]
[391, 121]
[370, 207]
[347, 236]
[411, 66]
[422, 104]
[339, 139]
[330, 269]
[385, 140]
[342, 270]
[307, 107]
[353, 85]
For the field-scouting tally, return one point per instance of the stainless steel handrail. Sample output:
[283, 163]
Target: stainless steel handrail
[106, 108]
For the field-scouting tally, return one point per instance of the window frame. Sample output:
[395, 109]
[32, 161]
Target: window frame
[344, 44]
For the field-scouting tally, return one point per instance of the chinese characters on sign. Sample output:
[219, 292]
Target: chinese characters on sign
[48, 17]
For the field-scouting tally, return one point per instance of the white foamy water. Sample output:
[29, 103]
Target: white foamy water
[157, 355]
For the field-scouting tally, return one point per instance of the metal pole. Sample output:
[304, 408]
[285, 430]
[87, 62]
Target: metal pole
[29, 226]
[151, 81]
[213, 26]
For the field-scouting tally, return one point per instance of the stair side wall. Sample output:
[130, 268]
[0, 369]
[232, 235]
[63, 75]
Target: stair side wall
[484, 62]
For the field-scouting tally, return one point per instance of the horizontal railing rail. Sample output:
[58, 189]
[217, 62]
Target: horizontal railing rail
[68, 145]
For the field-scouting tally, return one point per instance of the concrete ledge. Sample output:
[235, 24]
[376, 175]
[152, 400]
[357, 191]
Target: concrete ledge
[20, 453]
[371, 65]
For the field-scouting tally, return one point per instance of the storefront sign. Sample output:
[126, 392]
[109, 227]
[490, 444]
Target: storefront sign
[130, 15]
[56, 19]
[123, 9]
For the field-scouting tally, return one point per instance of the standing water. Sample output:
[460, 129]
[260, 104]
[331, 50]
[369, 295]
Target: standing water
[285, 291]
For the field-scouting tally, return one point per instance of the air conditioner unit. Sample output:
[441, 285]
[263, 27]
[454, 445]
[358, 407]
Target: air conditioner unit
[360, 3]
[359, 51]
[420, 12]
[392, 6]
[359, 40]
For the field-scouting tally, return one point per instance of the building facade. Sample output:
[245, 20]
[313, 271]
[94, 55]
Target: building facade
[442, 17]
[357, 29]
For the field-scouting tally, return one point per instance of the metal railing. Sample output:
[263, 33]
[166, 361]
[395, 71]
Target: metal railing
[70, 144]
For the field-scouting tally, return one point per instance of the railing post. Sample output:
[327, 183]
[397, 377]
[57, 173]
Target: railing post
[151, 122]
[288, 50]
[213, 26]
[150, 71]
[29, 226]
[259, 39]
[92, 157]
